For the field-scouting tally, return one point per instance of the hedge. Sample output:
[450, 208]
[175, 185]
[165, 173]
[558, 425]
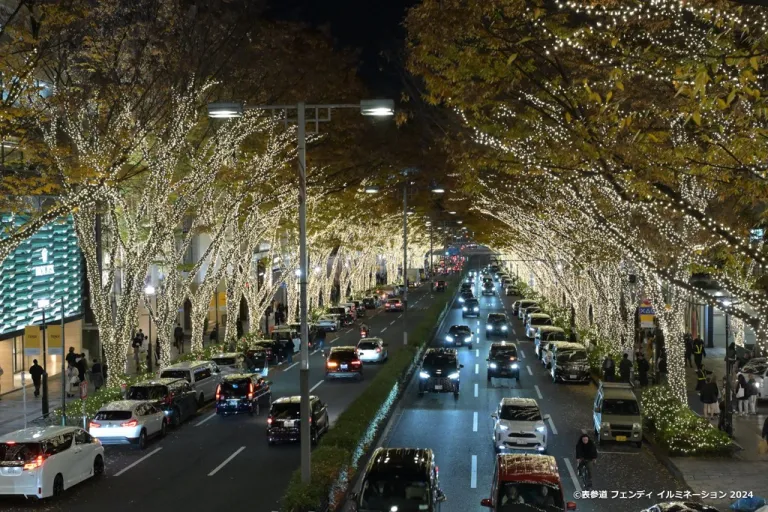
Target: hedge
[677, 429]
[335, 460]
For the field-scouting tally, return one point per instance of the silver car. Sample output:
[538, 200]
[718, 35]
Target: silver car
[128, 422]
[372, 350]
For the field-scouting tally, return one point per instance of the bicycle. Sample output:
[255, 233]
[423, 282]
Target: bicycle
[585, 474]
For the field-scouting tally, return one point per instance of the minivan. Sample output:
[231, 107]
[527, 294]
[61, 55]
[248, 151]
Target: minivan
[203, 376]
[617, 414]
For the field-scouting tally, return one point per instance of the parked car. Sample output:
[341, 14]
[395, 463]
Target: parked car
[203, 376]
[372, 350]
[547, 333]
[242, 392]
[533, 321]
[128, 422]
[272, 348]
[371, 302]
[229, 362]
[257, 361]
[285, 416]
[174, 396]
[328, 323]
[569, 363]
[617, 415]
[518, 304]
[528, 474]
[757, 368]
[44, 461]
[519, 425]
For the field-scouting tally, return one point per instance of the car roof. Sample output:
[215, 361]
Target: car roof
[504, 344]
[240, 376]
[618, 390]
[542, 468]
[36, 434]
[550, 328]
[227, 354]
[186, 365]
[373, 339]
[165, 381]
[568, 345]
[516, 400]
[528, 301]
[461, 326]
[408, 462]
[122, 405]
[539, 315]
[394, 299]
[292, 399]
[441, 351]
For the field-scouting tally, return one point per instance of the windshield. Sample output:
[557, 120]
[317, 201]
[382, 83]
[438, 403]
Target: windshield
[472, 303]
[497, 318]
[520, 412]
[394, 494]
[175, 374]
[554, 336]
[285, 411]
[572, 356]
[225, 361]
[113, 415]
[19, 452]
[502, 353]
[524, 496]
[342, 355]
[621, 407]
[540, 321]
[147, 393]
[235, 388]
[460, 329]
[367, 345]
[434, 360]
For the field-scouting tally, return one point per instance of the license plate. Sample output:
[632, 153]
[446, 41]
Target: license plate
[233, 402]
[344, 367]
[621, 438]
[574, 376]
[288, 424]
[438, 387]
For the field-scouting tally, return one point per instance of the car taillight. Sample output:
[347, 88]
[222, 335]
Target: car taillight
[93, 424]
[250, 391]
[130, 423]
[378, 349]
[331, 364]
[269, 420]
[218, 392]
[36, 463]
[355, 363]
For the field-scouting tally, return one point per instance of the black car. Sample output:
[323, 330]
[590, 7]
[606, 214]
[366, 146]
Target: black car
[465, 296]
[570, 363]
[400, 479]
[440, 286]
[242, 392]
[359, 307]
[489, 289]
[471, 307]
[257, 361]
[459, 335]
[272, 348]
[496, 325]
[343, 362]
[175, 397]
[369, 303]
[680, 506]
[503, 361]
[466, 287]
[440, 372]
[284, 421]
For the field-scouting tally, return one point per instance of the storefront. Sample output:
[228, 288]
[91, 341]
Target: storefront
[43, 276]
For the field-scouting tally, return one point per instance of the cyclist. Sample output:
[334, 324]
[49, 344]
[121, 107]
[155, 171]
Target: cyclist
[364, 331]
[586, 454]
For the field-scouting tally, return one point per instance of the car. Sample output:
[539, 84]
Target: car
[242, 392]
[394, 305]
[229, 362]
[370, 302]
[343, 363]
[440, 286]
[328, 323]
[549, 350]
[523, 303]
[519, 425]
[440, 372]
[283, 333]
[680, 506]
[512, 289]
[400, 479]
[465, 296]
[471, 307]
[529, 310]
[496, 325]
[757, 368]
[547, 333]
[128, 422]
[489, 289]
[360, 307]
[459, 335]
[203, 376]
[530, 474]
[534, 320]
[351, 308]
[345, 317]
[372, 350]
[272, 348]
[503, 361]
[257, 361]
[175, 397]
[465, 287]
[284, 420]
[617, 414]
[570, 363]
[44, 461]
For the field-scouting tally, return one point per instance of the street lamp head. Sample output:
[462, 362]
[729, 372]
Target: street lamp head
[371, 190]
[225, 110]
[452, 213]
[438, 190]
[459, 222]
[378, 108]
[149, 289]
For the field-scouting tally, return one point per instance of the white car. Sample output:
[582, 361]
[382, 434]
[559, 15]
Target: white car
[328, 323]
[128, 422]
[757, 368]
[229, 362]
[44, 461]
[519, 425]
[534, 321]
[372, 350]
[546, 333]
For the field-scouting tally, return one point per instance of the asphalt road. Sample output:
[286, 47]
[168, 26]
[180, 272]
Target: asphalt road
[218, 463]
[460, 430]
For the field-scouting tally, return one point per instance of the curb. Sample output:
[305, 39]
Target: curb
[665, 461]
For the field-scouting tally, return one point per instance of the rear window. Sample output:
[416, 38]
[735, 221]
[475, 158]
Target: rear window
[367, 345]
[225, 361]
[434, 359]
[147, 392]
[343, 355]
[541, 321]
[175, 374]
[520, 413]
[19, 452]
[393, 301]
[285, 411]
[621, 407]
[571, 356]
[235, 388]
[113, 415]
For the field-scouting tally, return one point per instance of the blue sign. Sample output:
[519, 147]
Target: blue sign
[646, 310]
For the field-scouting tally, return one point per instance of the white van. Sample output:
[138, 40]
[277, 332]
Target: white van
[203, 376]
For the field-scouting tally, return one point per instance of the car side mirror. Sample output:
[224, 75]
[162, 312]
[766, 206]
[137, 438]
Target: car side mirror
[494, 415]
[461, 366]
[570, 505]
[486, 503]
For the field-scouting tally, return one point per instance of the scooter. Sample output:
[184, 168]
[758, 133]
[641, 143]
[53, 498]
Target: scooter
[364, 333]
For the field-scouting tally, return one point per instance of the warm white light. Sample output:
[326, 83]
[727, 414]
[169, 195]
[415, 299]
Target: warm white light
[43, 303]
[452, 213]
[438, 190]
[224, 110]
[371, 190]
[317, 269]
[149, 289]
[378, 108]
[298, 272]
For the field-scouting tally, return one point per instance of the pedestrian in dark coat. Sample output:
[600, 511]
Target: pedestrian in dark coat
[688, 349]
[97, 377]
[178, 338]
[609, 369]
[36, 371]
[642, 370]
[709, 397]
[82, 367]
[625, 367]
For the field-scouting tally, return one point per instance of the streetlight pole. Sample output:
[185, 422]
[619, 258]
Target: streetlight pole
[728, 413]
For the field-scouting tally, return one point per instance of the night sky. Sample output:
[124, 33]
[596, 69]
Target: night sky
[372, 26]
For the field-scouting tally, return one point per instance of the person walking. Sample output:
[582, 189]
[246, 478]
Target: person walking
[742, 394]
[136, 348]
[290, 346]
[178, 338]
[214, 336]
[698, 351]
[642, 370]
[753, 392]
[157, 351]
[709, 397]
[97, 377]
[701, 377]
[730, 357]
[82, 367]
[36, 372]
[688, 349]
[625, 368]
[71, 356]
[609, 368]
[661, 366]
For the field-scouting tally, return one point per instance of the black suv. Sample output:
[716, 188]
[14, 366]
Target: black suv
[343, 362]
[369, 303]
[175, 397]
[272, 348]
[496, 325]
[489, 289]
[503, 362]
[284, 420]
[242, 392]
[459, 335]
[257, 361]
[570, 363]
[471, 307]
[466, 295]
[440, 286]
[400, 479]
[439, 372]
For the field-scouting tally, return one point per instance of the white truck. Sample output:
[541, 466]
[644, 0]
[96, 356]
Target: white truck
[414, 277]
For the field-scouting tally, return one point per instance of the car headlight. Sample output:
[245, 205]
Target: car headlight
[477, 309]
[461, 299]
[541, 428]
[449, 338]
[606, 426]
[424, 375]
[468, 338]
[454, 375]
[489, 327]
[503, 427]
[514, 366]
[464, 308]
[636, 426]
[503, 327]
[492, 366]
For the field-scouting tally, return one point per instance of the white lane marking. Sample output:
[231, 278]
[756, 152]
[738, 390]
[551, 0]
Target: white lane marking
[573, 475]
[206, 419]
[384, 329]
[313, 353]
[474, 422]
[476, 390]
[226, 461]
[477, 352]
[530, 372]
[552, 425]
[538, 392]
[473, 478]
[138, 461]
[399, 316]
[315, 386]
[477, 369]
[392, 322]
[294, 364]
[522, 354]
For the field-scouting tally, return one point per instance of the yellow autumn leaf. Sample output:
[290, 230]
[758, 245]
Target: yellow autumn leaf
[696, 118]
